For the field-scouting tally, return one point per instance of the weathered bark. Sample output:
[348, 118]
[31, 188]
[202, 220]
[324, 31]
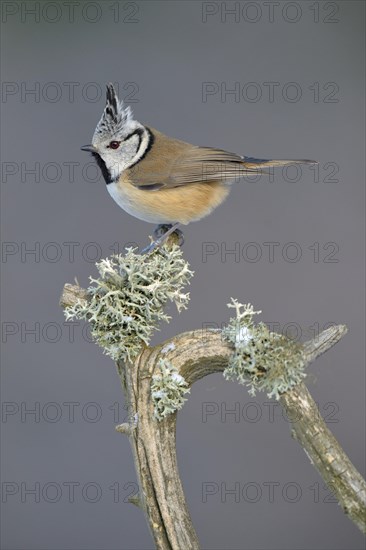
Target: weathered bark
[309, 429]
[196, 354]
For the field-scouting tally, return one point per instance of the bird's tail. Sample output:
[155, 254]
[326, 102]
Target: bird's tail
[252, 163]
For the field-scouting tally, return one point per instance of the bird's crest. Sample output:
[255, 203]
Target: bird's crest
[115, 116]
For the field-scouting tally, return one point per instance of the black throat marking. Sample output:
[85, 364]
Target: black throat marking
[138, 132]
[102, 165]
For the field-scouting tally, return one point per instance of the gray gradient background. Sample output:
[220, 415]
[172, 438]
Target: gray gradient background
[169, 52]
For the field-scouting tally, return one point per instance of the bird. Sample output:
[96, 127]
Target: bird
[160, 179]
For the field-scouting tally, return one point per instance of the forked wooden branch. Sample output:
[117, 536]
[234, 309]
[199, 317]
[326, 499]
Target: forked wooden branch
[197, 354]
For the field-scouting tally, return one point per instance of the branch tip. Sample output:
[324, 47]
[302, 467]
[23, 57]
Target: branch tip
[125, 428]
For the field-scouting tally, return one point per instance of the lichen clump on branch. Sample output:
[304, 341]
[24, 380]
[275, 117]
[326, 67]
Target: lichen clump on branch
[168, 388]
[262, 360]
[126, 303]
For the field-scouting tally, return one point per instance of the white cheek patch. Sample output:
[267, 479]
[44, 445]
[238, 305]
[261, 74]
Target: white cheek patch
[128, 155]
[141, 145]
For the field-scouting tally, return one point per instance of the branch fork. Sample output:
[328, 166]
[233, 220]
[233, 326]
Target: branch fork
[194, 355]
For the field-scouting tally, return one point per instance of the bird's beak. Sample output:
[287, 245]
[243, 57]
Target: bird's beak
[89, 148]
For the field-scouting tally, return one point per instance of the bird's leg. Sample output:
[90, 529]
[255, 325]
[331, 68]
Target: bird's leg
[162, 232]
[161, 229]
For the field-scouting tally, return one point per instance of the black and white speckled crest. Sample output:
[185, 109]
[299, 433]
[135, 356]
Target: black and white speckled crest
[114, 118]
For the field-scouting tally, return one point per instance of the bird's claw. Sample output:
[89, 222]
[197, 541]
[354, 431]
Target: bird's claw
[161, 233]
[161, 229]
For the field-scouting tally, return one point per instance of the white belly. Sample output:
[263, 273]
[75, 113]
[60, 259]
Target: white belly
[132, 206]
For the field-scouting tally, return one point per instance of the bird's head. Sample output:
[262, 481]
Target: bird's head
[119, 141]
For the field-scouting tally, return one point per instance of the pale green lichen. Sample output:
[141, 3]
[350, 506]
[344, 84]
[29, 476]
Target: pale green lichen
[126, 303]
[168, 388]
[262, 360]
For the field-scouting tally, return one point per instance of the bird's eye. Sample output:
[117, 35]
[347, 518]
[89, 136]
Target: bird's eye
[114, 144]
